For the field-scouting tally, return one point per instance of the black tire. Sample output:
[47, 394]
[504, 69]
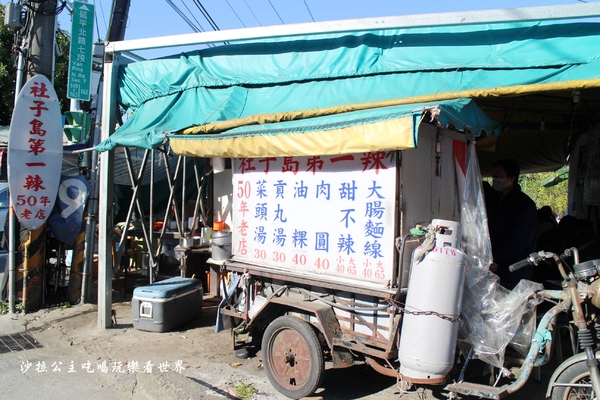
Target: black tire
[292, 357]
[576, 373]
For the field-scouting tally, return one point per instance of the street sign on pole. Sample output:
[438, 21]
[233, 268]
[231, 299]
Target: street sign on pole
[80, 58]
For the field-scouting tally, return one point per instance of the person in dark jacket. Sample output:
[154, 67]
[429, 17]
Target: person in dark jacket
[512, 224]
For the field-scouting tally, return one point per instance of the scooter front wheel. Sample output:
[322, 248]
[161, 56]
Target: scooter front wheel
[577, 375]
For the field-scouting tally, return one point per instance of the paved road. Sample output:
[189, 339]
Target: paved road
[69, 339]
[200, 361]
[104, 362]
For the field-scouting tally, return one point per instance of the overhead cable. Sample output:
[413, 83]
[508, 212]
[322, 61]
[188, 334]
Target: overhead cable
[276, 12]
[103, 18]
[197, 27]
[250, 8]
[97, 26]
[311, 16]
[212, 23]
[236, 14]
[43, 8]
[183, 16]
[192, 14]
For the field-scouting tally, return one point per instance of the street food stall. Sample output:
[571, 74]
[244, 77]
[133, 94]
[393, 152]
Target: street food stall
[343, 137]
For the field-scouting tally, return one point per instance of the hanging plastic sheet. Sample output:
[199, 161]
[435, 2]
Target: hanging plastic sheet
[225, 323]
[493, 317]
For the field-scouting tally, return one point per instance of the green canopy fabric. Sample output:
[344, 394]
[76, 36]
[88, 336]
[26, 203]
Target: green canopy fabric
[267, 82]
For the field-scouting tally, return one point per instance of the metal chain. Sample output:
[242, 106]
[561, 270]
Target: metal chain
[396, 305]
[442, 316]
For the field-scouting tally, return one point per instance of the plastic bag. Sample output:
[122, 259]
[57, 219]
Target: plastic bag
[257, 305]
[225, 323]
[493, 317]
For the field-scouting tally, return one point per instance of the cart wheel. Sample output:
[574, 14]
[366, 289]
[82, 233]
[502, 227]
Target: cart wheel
[293, 357]
[577, 373]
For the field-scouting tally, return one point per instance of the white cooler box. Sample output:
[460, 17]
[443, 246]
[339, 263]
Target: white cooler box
[164, 305]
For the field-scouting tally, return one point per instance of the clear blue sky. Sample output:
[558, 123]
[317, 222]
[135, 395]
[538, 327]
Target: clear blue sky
[150, 18]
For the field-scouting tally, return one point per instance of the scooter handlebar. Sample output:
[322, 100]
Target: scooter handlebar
[534, 258]
[518, 265]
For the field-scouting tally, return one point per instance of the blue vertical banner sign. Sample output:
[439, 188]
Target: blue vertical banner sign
[67, 216]
[80, 58]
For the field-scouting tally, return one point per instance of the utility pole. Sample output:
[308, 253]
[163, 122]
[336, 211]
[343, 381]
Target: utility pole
[118, 23]
[118, 20]
[41, 38]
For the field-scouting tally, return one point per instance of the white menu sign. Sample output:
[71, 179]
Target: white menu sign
[328, 215]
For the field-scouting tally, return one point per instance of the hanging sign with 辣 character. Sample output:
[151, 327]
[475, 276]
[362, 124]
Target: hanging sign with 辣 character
[80, 57]
[35, 152]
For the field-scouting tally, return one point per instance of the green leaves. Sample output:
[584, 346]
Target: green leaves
[8, 71]
[554, 196]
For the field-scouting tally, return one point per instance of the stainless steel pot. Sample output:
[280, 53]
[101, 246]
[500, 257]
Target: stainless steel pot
[191, 242]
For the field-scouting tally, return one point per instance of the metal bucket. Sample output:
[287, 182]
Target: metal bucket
[221, 245]
[191, 242]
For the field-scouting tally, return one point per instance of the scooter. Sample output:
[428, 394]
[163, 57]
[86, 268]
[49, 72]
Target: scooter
[577, 377]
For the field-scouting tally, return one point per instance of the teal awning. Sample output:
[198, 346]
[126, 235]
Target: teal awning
[233, 87]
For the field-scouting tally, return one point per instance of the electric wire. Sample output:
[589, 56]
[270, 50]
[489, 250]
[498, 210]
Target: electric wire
[103, 18]
[183, 16]
[192, 14]
[42, 7]
[24, 28]
[20, 44]
[97, 25]
[236, 14]
[204, 12]
[197, 27]
[274, 9]
[308, 9]
[252, 11]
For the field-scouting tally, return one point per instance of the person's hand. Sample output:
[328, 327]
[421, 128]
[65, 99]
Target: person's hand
[493, 267]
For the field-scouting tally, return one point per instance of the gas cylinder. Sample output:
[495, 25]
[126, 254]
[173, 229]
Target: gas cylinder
[432, 309]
